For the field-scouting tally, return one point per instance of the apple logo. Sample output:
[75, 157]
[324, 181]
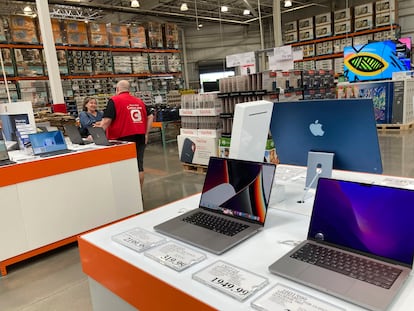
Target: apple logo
[316, 128]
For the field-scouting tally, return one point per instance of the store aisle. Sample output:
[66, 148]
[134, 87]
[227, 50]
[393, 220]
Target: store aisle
[55, 281]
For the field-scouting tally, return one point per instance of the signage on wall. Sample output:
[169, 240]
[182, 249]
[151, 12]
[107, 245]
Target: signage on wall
[246, 62]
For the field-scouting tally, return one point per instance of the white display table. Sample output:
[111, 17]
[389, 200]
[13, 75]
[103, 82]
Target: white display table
[123, 279]
[46, 203]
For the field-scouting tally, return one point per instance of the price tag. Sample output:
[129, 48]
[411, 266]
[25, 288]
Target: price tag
[138, 239]
[281, 298]
[231, 280]
[175, 256]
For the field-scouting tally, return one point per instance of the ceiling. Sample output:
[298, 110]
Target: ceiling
[199, 11]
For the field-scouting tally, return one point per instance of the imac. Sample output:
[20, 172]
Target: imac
[344, 128]
[251, 122]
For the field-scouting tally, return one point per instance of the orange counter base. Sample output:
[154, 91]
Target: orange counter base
[137, 287]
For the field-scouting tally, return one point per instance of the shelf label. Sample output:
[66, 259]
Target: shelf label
[138, 239]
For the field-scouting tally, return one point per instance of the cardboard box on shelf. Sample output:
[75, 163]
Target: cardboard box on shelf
[363, 23]
[384, 6]
[75, 27]
[323, 18]
[364, 10]
[342, 15]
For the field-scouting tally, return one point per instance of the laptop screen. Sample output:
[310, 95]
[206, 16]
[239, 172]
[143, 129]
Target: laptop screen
[3, 151]
[239, 188]
[372, 219]
[47, 142]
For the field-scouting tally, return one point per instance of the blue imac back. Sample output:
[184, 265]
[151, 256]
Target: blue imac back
[345, 127]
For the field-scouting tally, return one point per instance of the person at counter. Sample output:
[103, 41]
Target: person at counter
[127, 118]
[89, 116]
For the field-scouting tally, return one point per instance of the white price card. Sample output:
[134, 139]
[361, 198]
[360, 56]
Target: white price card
[175, 256]
[138, 239]
[231, 280]
[281, 298]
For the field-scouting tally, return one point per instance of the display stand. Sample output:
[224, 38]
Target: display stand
[320, 164]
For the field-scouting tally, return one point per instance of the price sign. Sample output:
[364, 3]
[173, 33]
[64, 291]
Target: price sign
[231, 280]
[138, 239]
[281, 297]
[175, 256]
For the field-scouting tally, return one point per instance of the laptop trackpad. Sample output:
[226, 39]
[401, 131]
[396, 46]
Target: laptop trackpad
[327, 280]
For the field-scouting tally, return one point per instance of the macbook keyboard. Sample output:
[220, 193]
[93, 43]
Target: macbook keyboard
[53, 153]
[353, 266]
[216, 223]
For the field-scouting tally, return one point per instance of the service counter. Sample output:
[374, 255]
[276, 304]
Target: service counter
[47, 202]
[123, 279]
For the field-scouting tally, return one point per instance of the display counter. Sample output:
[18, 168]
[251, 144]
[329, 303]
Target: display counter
[47, 202]
[123, 279]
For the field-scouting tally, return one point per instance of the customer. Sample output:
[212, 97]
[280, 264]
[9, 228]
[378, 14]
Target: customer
[89, 116]
[128, 118]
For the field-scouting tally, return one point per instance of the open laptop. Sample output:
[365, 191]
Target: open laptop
[47, 144]
[4, 155]
[371, 223]
[99, 137]
[74, 135]
[232, 208]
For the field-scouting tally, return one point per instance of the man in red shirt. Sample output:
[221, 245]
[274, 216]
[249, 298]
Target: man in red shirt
[127, 118]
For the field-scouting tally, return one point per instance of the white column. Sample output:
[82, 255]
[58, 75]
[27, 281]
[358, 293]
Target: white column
[277, 23]
[50, 51]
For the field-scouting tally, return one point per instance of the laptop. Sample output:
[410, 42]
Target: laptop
[4, 155]
[370, 224]
[99, 137]
[47, 144]
[74, 135]
[232, 207]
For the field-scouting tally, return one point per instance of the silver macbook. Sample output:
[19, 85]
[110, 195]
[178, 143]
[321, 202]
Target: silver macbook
[232, 208]
[359, 245]
[74, 135]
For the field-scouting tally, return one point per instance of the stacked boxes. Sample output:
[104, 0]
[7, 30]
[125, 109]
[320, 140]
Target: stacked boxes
[171, 36]
[154, 35]
[290, 32]
[140, 63]
[173, 62]
[118, 36]
[122, 63]
[137, 37]
[363, 16]
[385, 13]
[157, 62]
[8, 61]
[23, 30]
[29, 62]
[102, 62]
[98, 35]
[80, 62]
[3, 33]
[57, 31]
[76, 33]
[323, 25]
[318, 84]
[306, 29]
[342, 22]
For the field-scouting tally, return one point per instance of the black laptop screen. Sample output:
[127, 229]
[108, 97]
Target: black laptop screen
[372, 219]
[239, 188]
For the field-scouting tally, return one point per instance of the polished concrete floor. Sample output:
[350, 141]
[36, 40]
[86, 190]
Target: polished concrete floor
[55, 281]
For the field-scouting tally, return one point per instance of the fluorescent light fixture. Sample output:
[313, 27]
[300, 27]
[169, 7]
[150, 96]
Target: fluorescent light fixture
[134, 4]
[288, 3]
[224, 8]
[246, 12]
[184, 7]
[200, 25]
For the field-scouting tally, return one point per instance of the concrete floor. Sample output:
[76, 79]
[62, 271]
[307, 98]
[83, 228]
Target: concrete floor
[55, 281]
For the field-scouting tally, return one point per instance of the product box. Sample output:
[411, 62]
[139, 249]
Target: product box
[77, 38]
[305, 23]
[119, 41]
[308, 50]
[170, 36]
[342, 27]
[118, 30]
[290, 37]
[384, 6]
[324, 48]
[137, 36]
[323, 31]
[24, 36]
[57, 30]
[154, 35]
[363, 23]
[306, 34]
[339, 44]
[196, 150]
[22, 22]
[342, 15]
[98, 39]
[3, 34]
[97, 28]
[8, 62]
[361, 40]
[339, 66]
[290, 26]
[385, 19]
[323, 18]
[224, 147]
[363, 10]
[75, 27]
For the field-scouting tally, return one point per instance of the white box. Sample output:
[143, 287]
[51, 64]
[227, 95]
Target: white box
[339, 44]
[187, 112]
[196, 150]
[363, 10]
[384, 6]
[360, 40]
[290, 37]
[323, 18]
[339, 65]
[188, 132]
[363, 23]
[305, 23]
[342, 27]
[342, 15]
[306, 34]
[323, 31]
[290, 26]
[385, 19]
[208, 133]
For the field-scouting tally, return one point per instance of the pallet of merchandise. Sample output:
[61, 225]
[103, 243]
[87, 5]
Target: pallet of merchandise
[195, 168]
[395, 127]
